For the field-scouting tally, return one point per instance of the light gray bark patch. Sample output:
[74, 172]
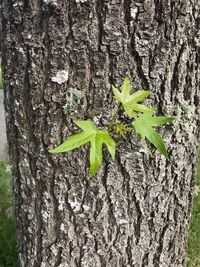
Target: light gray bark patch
[60, 77]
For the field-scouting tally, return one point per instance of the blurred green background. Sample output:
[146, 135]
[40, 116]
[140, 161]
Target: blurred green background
[8, 251]
[193, 255]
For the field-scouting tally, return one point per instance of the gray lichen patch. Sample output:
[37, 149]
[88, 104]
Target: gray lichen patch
[183, 113]
[185, 116]
[73, 100]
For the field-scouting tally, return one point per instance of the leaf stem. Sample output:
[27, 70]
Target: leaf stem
[113, 119]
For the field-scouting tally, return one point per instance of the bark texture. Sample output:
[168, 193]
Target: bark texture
[60, 59]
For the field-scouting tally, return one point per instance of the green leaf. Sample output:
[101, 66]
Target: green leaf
[143, 126]
[96, 138]
[73, 142]
[148, 120]
[137, 107]
[86, 125]
[126, 88]
[109, 142]
[100, 138]
[130, 102]
[139, 96]
[117, 94]
[95, 154]
[155, 138]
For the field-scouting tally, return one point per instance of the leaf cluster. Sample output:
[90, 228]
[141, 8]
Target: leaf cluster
[96, 138]
[141, 121]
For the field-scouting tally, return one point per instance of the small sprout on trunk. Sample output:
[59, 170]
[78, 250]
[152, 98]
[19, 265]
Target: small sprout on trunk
[140, 120]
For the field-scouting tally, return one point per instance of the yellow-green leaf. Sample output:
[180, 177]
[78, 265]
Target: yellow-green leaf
[96, 138]
[122, 129]
[130, 102]
[143, 126]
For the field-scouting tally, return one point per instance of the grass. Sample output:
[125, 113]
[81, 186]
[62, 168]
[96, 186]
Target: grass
[8, 244]
[193, 250]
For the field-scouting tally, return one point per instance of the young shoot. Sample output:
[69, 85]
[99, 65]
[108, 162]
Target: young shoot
[141, 121]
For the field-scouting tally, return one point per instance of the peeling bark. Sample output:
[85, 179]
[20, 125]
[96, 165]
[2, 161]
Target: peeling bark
[135, 212]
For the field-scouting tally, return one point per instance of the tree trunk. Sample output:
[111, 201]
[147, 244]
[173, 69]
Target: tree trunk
[60, 59]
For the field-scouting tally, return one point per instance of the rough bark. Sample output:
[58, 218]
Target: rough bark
[135, 212]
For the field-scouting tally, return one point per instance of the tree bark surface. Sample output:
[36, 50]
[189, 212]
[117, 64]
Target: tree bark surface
[59, 60]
